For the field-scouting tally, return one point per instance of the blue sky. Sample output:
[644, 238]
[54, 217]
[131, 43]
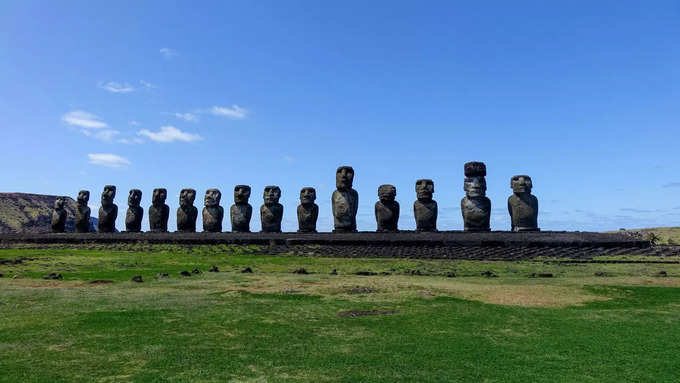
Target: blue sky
[583, 96]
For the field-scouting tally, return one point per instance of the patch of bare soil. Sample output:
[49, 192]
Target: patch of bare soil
[360, 313]
[360, 290]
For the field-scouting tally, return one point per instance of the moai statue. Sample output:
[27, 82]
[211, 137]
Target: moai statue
[59, 216]
[307, 211]
[271, 212]
[425, 208]
[135, 213]
[82, 219]
[159, 212]
[241, 211]
[108, 212]
[213, 213]
[522, 205]
[187, 212]
[475, 206]
[345, 201]
[387, 209]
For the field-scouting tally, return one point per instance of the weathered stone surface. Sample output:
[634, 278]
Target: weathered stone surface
[387, 209]
[82, 219]
[159, 212]
[271, 212]
[522, 205]
[135, 213]
[425, 208]
[345, 201]
[475, 206]
[108, 212]
[241, 211]
[213, 213]
[307, 211]
[59, 216]
[187, 212]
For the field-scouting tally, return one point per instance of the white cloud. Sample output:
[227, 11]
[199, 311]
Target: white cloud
[190, 117]
[169, 134]
[116, 87]
[168, 53]
[104, 135]
[131, 141]
[83, 119]
[235, 112]
[108, 160]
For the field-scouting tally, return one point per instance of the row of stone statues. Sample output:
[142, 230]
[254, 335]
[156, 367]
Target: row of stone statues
[475, 206]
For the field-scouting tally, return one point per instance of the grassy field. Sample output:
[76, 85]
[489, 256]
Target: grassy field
[418, 321]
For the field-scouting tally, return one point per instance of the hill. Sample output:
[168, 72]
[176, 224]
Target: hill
[32, 213]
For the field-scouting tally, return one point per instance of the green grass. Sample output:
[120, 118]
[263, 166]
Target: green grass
[275, 326]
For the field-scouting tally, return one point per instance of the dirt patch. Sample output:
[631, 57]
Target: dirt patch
[360, 313]
[360, 290]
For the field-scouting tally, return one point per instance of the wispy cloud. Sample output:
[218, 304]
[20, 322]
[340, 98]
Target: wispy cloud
[108, 160]
[190, 117]
[103, 135]
[130, 141]
[671, 185]
[169, 134]
[116, 87]
[168, 53]
[83, 119]
[235, 112]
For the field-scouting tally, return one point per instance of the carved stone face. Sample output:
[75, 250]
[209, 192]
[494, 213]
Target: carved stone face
[108, 195]
[135, 197]
[159, 196]
[212, 197]
[475, 187]
[187, 197]
[272, 194]
[424, 189]
[344, 177]
[241, 193]
[387, 192]
[521, 184]
[307, 195]
[59, 203]
[83, 197]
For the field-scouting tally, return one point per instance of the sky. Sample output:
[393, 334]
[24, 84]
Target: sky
[583, 96]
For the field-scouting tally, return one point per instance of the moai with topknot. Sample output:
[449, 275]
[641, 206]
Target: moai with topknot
[187, 212]
[82, 218]
[159, 212]
[135, 212]
[475, 206]
[387, 209]
[307, 211]
[344, 201]
[271, 212]
[108, 212]
[425, 208]
[213, 213]
[522, 205]
[59, 216]
[241, 211]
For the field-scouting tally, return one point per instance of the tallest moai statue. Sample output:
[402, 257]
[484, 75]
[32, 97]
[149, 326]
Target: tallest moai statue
[345, 201]
[475, 206]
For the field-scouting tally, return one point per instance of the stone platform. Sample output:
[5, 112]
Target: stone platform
[405, 244]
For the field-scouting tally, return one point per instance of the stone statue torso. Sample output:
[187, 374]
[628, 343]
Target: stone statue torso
[271, 216]
[523, 210]
[82, 219]
[345, 204]
[240, 217]
[387, 215]
[425, 213]
[158, 218]
[186, 219]
[59, 220]
[307, 215]
[107, 218]
[476, 213]
[212, 218]
[133, 218]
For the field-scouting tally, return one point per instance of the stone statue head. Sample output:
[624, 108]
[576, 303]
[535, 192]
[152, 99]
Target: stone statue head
[83, 197]
[187, 197]
[424, 189]
[272, 194]
[59, 203]
[108, 195]
[521, 184]
[387, 192]
[344, 177]
[213, 197]
[307, 195]
[475, 187]
[241, 193]
[159, 196]
[135, 197]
